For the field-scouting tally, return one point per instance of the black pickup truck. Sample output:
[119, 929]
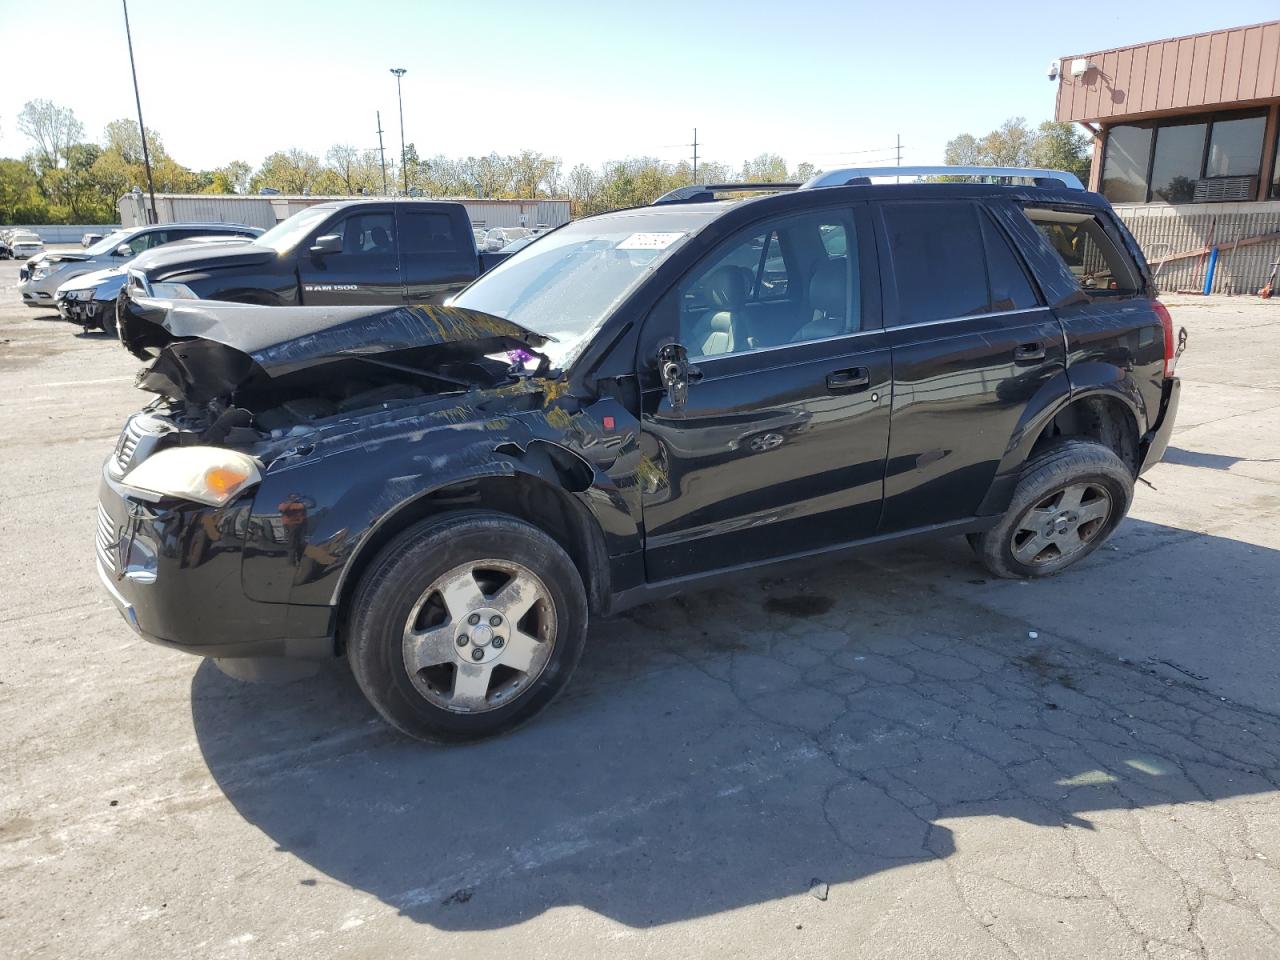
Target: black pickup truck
[373, 253]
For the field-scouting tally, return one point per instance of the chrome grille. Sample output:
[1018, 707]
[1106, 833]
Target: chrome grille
[106, 539]
[127, 445]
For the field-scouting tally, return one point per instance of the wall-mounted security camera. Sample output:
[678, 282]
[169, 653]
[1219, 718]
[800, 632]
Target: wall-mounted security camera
[1053, 70]
[1080, 66]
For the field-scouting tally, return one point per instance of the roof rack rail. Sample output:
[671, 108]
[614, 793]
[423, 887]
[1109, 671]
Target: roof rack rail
[706, 192]
[853, 175]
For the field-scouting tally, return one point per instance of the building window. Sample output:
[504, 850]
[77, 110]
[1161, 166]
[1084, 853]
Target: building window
[1176, 165]
[1235, 148]
[1275, 172]
[1164, 160]
[1124, 173]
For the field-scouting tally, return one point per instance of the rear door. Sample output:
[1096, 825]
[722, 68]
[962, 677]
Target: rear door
[437, 252]
[972, 343]
[779, 447]
[367, 270]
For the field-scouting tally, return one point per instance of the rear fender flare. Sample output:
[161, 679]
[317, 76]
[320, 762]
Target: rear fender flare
[1089, 379]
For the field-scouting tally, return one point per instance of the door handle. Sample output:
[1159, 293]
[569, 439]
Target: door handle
[847, 381]
[1028, 352]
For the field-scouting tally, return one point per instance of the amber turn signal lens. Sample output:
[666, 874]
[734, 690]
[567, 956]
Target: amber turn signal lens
[224, 480]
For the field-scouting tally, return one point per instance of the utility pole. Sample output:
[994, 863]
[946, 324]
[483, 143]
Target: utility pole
[404, 169]
[695, 154]
[142, 129]
[382, 154]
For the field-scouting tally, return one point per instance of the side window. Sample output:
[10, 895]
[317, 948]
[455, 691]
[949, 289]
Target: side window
[1010, 287]
[772, 286]
[1082, 243]
[145, 241]
[937, 260]
[771, 279]
[423, 232]
[364, 235]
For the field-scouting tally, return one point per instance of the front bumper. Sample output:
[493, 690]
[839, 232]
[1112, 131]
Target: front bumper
[85, 313]
[1157, 440]
[174, 574]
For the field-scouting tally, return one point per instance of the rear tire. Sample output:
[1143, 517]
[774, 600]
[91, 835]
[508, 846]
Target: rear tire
[1069, 501]
[466, 626]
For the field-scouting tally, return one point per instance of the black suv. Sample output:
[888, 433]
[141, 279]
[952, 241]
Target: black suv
[639, 402]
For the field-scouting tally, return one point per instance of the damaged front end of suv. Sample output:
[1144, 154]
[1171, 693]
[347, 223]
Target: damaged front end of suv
[281, 440]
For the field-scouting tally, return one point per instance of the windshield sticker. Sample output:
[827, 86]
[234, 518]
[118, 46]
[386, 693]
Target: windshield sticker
[649, 241]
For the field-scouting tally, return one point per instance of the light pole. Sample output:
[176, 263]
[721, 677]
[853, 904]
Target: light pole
[142, 129]
[404, 170]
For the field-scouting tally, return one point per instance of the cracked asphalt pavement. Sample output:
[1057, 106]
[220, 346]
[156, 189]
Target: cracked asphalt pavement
[894, 757]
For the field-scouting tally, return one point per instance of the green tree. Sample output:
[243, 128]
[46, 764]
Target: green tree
[766, 168]
[1054, 146]
[1063, 146]
[53, 129]
[233, 178]
[20, 199]
[123, 137]
[289, 171]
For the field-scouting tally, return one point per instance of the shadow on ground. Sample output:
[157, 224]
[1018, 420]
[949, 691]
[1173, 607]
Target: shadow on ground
[732, 747]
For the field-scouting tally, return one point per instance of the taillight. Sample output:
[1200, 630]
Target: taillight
[1170, 341]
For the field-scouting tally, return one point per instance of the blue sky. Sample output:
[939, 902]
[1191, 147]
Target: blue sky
[585, 81]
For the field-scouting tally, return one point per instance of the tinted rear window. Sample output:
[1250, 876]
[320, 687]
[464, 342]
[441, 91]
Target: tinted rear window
[426, 232]
[937, 259]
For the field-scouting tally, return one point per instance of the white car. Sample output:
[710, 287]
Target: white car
[23, 248]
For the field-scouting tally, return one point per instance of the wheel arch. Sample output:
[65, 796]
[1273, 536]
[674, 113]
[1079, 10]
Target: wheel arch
[539, 489]
[1106, 409]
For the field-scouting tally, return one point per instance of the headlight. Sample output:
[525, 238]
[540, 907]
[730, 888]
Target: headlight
[173, 291]
[39, 271]
[203, 474]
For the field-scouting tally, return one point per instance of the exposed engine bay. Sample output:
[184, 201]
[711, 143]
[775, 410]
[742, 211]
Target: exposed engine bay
[238, 375]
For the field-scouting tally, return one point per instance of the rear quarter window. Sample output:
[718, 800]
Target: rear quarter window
[1096, 262]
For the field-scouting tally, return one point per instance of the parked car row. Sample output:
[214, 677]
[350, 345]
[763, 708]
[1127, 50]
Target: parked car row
[42, 274]
[19, 244]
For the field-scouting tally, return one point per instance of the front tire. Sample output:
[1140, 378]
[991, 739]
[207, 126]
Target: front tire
[467, 625]
[1069, 501]
[109, 322]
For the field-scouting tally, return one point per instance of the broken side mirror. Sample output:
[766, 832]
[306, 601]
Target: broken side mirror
[673, 370]
[329, 243]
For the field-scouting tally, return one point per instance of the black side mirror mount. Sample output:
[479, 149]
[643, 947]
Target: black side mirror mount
[673, 370]
[329, 243]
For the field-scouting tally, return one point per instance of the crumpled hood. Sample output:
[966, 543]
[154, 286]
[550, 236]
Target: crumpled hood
[87, 281]
[217, 347]
[175, 259]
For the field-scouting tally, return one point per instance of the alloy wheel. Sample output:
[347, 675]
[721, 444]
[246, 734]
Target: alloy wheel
[479, 635]
[1060, 527]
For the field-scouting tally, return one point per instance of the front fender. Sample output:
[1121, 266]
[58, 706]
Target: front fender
[313, 518]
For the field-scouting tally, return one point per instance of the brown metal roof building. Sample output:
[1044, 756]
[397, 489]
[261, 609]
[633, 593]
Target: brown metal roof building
[1186, 136]
[1191, 119]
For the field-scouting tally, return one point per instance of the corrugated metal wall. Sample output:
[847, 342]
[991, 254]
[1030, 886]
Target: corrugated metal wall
[62, 232]
[1204, 70]
[1167, 229]
[267, 211]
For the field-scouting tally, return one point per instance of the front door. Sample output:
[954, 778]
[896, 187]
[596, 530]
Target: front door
[779, 446]
[972, 343]
[366, 271]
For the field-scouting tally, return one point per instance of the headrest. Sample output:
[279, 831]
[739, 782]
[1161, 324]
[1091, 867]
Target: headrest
[727, 287]
[827, 287]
